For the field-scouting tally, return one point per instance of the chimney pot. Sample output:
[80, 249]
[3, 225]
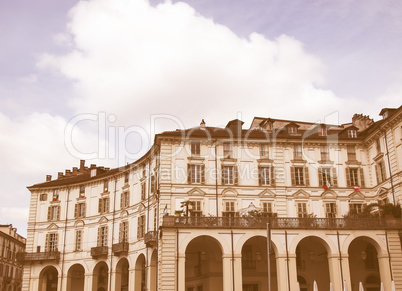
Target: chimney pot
[82, 164]
[48, 178]
[59, 175]
[93, 166]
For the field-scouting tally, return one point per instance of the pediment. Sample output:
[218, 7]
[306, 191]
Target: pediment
[230, 192]
[267, 194]
[196, 192]
[103, 219]
[141, 207]
[301, 194]
[382, 192]
[53, 226]
[356, 195]
[79, 223]
[329, 194]
[124, 213]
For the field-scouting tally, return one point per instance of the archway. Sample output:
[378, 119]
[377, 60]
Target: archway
[140, 280]
[363, 264]
[76, 278]
[153, 271]
[100, 277]
[48, 279]
[255, 265]
[312, 263]
[203, 270]
[122, 275]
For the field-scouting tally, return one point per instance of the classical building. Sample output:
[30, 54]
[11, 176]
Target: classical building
[194, 213]
[11, 243]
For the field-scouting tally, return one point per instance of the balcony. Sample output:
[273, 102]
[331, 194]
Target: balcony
[38, 257]
[120, 249]
[283, 223]
[99, 251]
[151, 238]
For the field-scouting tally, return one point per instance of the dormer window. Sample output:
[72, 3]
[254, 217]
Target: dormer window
[322, 131]
[292, 129]
[93, 172]
[352, 133]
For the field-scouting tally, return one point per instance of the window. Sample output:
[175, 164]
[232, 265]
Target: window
[324, 153]
[51, 242]
[267, 209]
[328, 176]
[56, 195]
[105, 186]
[229, 175]
[153, 184]
[302, 209]
[354, 177]
[53, 213]
[141, 226]
[229, 209]
[125, 200]
[43, 197]
[292, 129]
[196, 174]
[143, 191]
[356, 207]
[82, 191]
[297, 152]
[196, 211]
[79, 210]
[264, 150]
[322, 131]
[103, 205]
[78, 240]
[155, 218]
[378, 145]
[351, 153]
[380, 172]
[330, 210]
[102, 236]
[227, 149]
[299, 175]
[352, 133]
[126, 178]
[265, 176]
[123, 231]
[195, 148]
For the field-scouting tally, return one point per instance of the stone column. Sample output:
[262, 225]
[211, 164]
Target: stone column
[131, 279]
[227, 272]
[238, 273]
[182, 272]
[385, 272]
[88, 282]
[282, 276]
[292, 272]
[334, 265]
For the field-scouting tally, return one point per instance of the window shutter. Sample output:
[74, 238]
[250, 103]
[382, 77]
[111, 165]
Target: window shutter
[99, 237]
[306, 177]
[49, 213]
[260, 176]
[120, 232]
[121, 200]
[189, 174]
[76, 211]
[362, 183]
[222, 175]
[348, 183]
[58, 212]
[202, 174]
[334, 177]
[138, 226]
[106, 236]
[56, 242]
[127, 199]
[84, 211]
[235, 175]
[107, 204]
[272, 172]
[100, 205]
[47, 243]
[292, 176]
[320, 178]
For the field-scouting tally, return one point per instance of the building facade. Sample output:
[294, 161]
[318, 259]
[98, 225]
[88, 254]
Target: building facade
[11, 243]
[194, 213]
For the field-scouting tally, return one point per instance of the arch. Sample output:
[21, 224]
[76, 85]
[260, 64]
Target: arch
[302, 283]
[363, 254]
[312, 264]
[231, 192]
[153, 271]
[184, 242]
[139, 273]
[122, 275]
[276, 244]
[204, 264]
[100, 277]
[329, 245]
[48, 279]
[255, 265]
[374, 239]
[76, 278]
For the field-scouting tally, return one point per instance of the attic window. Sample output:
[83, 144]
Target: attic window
[352, 133]
[93, 172]
[322, 131]
[292, 129]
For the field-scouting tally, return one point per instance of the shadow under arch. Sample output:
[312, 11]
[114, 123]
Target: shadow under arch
[76, 278]
[204, 266]
[139, 273]
[48, 279]
[100, 277]
[122, 267]
[154, 271]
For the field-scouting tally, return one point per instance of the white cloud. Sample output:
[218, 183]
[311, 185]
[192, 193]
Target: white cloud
[132, 60]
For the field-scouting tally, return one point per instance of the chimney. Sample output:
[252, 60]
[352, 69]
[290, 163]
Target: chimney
[202, 124]
[48, 178]
[82, 165]
[362, 121]
[93, 166]
[60, 175]
[68, 173]
[75, 170]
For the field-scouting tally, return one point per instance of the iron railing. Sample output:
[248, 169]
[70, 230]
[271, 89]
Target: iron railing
[39, 256]
[282, 223]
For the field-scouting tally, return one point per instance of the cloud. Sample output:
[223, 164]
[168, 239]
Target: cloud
[132, 59]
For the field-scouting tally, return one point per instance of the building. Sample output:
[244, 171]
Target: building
[10, 269]
[192, 213]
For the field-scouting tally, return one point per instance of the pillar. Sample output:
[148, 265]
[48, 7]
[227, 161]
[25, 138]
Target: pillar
[292, 272]
[227, 272]
[385, 272]
[131, 278]
[282, 276]
[346, 271]
[181, 272]
[238, 273]
[88, 282]
[335, 276]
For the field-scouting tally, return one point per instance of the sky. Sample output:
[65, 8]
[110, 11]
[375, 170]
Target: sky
[96, 79]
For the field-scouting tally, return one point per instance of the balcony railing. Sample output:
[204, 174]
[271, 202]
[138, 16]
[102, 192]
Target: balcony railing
[40, 256]
[282, 223]
[151, 238]
[120, 248]
[99, 251]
